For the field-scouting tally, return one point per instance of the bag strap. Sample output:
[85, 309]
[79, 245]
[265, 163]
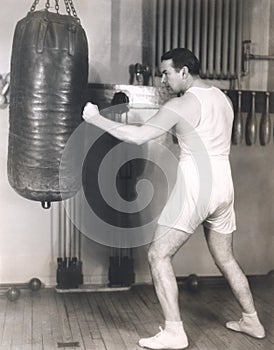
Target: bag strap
[42, 36]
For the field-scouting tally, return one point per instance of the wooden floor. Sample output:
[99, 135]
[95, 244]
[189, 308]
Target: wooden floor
[116, 320]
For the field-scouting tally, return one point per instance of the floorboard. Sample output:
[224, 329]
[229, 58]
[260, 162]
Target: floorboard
[47, 320]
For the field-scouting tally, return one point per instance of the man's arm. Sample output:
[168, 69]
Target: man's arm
[156, 126]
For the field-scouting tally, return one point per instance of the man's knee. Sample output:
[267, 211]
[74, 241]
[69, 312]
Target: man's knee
[155, 254]
[166, 244]
[224, 260]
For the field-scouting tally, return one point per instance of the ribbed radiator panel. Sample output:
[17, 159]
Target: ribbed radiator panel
[212, 29]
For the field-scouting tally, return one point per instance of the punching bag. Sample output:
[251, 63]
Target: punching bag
[49, 73]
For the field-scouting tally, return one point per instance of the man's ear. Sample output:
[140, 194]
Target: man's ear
[184, 72]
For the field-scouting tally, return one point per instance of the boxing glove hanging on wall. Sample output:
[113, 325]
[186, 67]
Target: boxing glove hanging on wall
[49, 72]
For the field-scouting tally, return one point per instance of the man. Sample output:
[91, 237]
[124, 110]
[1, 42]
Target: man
[203, 118]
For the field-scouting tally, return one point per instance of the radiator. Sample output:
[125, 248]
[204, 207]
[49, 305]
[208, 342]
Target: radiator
[212, 29]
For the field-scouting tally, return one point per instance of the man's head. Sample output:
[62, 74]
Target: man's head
[183, 57]
[178, 67]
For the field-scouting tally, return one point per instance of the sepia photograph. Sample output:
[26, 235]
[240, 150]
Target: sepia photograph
[137, 174]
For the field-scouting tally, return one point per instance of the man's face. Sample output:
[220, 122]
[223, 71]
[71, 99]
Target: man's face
[170, 77]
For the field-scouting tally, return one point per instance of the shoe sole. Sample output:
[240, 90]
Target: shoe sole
[250, 335]
[144, 347]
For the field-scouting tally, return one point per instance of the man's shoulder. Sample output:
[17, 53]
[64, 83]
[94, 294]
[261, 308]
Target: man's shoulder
[186, 101]
[186, 107]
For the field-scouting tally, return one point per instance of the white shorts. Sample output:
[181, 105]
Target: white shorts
[201, 197]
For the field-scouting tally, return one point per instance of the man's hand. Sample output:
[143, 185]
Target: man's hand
[90, 111]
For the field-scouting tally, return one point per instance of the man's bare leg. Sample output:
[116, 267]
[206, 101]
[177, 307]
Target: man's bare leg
[221, 249]
[166, 243]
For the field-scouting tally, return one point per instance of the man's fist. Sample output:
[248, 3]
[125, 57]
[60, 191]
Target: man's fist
[90, 111]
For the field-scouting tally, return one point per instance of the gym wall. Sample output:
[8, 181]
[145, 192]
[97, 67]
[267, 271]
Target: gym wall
[27, 232]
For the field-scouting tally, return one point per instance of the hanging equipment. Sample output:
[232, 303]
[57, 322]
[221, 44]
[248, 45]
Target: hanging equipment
[49, 73]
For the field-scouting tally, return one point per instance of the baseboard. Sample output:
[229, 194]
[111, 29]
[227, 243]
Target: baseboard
[211, 281]
[220, 281]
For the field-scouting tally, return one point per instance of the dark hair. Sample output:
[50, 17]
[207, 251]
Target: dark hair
[183, 57]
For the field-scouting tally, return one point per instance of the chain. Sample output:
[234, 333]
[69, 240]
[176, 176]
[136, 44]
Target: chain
[68, 4]
[57, 6]
[47, 6]
[34, 5]
[67, 7]
[73, 8]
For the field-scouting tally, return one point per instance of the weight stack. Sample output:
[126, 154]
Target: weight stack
[121, 271]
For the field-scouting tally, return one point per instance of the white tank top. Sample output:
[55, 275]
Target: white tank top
[212, 135]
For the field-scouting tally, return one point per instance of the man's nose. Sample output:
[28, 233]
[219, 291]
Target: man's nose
[163, 80]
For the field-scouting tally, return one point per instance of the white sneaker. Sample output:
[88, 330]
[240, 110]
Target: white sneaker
[249, 326]
[165, 340]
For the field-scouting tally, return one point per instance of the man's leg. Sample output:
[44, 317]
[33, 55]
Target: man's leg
[166, 243]
[220, 247]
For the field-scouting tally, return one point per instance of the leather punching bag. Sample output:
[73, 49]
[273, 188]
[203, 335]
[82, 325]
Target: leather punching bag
[49, 72]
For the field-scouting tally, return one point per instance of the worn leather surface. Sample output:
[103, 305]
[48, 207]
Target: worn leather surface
[49, 72]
